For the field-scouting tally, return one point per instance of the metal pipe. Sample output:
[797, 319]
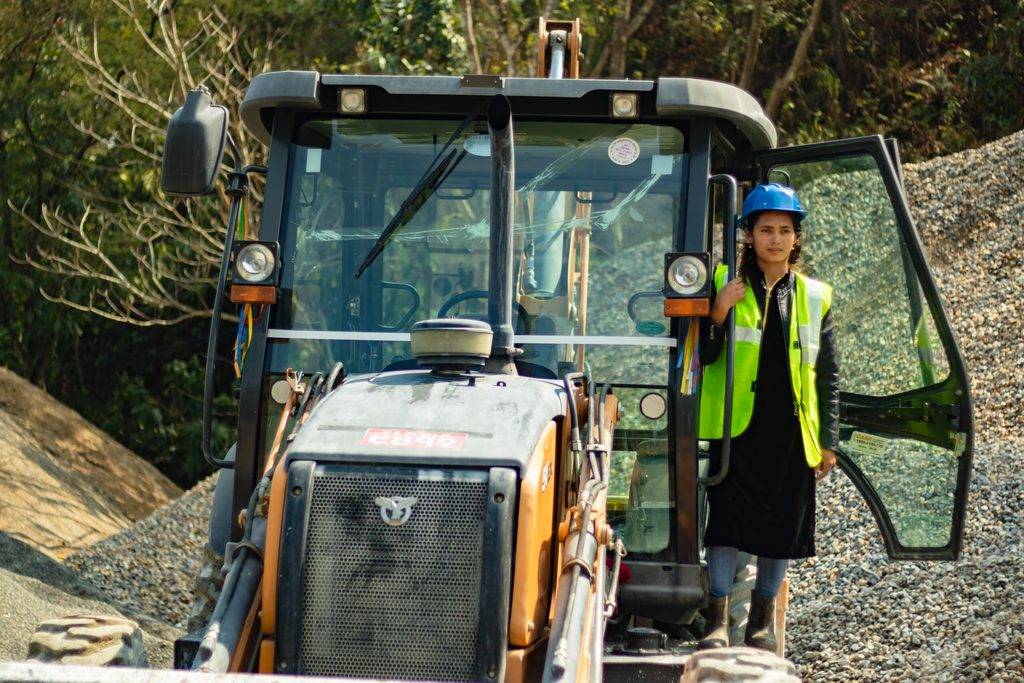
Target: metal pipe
[597, 610]
[581, 550]
[236, 596]
[729, 246]
[499, 303]
[557, 42]
[223, 635]
[238, 187]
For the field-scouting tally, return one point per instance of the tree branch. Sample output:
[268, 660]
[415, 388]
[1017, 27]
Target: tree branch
[799, 55]
[471, 45]
[753, 43]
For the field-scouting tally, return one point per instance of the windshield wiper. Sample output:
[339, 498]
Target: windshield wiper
[432, 178]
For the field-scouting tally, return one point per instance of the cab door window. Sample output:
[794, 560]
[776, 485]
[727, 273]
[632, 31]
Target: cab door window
[852, 241]
[905, 427]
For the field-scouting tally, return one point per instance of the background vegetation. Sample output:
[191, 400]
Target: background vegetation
[105, 285]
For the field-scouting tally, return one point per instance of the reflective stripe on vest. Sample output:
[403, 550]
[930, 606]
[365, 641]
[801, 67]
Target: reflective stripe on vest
[808, 304]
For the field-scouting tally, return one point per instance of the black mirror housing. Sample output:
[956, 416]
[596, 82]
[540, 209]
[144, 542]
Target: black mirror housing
[194, 146]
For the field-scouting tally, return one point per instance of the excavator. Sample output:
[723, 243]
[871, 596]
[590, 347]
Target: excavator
[468, 349]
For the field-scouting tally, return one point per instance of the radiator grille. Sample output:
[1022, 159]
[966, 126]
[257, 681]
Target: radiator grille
[386, 601]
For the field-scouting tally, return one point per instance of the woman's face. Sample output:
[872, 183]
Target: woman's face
[774, 237]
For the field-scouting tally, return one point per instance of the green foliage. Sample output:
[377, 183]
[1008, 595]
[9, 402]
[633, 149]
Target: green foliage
[408, 36]
[937, 76]
[162, 418]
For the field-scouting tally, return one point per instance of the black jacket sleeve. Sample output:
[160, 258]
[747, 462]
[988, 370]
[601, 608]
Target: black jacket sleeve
[828, 384]
[712, 337]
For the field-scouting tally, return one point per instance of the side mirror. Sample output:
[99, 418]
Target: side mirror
[194, 146]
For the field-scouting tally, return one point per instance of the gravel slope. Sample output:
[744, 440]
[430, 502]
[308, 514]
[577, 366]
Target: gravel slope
[150, 565]
[67, 484]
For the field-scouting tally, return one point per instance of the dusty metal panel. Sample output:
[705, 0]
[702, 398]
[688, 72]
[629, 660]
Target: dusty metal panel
[417, 417]
[698, 97]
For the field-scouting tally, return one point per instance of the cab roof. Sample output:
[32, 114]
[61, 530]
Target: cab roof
[672, 97]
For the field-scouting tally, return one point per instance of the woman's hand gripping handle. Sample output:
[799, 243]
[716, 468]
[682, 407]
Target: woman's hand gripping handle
[730, 295]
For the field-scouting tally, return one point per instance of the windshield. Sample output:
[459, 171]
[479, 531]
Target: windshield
[596, 206]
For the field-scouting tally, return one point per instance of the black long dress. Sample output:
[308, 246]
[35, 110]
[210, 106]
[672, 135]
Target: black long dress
[765, 505]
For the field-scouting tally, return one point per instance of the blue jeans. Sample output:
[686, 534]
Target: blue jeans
[722, 571]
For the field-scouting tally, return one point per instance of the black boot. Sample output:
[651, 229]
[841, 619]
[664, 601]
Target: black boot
[761, 624]
[716, 632]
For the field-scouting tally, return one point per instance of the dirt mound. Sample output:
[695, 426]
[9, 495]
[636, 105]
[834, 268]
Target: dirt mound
[68, 485]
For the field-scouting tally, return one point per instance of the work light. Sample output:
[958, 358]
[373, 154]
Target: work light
[687, 285]
[254, 272]
[686, 275]
[352, 101]
[624, 105]
[254, 263]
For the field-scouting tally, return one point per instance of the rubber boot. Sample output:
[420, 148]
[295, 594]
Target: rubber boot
[716, 633]
[761, 624]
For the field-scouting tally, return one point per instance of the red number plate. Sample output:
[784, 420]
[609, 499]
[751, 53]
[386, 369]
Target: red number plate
[406, 438]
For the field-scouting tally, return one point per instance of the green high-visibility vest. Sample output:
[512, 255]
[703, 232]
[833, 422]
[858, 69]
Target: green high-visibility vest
[809, 303]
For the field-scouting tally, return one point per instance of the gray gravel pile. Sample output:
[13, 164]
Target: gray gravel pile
[150, 565]
[970, 212]
[855, 615]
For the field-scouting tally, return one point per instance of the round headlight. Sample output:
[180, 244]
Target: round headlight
[254, 263]
[687, 275]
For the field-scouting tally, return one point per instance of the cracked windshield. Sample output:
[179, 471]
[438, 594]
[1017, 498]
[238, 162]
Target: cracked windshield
[595, 209]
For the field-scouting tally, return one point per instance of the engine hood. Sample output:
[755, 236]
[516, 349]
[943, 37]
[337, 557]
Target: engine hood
[424, 419]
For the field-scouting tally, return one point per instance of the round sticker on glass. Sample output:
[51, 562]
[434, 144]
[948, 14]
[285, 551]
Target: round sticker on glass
[623, 151]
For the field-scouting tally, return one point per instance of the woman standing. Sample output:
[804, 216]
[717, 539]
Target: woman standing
[785, 416]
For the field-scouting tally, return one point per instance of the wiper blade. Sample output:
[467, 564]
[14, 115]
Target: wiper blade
[431, 180]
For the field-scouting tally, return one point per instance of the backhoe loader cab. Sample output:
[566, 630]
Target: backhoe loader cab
[470, 393]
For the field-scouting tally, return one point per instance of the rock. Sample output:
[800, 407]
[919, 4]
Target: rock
[88, 640]
[728, 664]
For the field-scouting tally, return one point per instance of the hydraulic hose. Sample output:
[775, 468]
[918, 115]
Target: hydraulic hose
[238, 187]
[240, 585]
[582, 550]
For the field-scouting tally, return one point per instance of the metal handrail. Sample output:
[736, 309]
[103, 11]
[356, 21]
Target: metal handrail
[729, 247]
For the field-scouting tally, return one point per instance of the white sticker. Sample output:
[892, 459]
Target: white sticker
[623, 151]
[868, 444]
[661, 164]
[313, 155]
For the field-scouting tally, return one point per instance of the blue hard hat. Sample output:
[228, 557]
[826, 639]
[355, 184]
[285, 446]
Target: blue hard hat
[772, 197]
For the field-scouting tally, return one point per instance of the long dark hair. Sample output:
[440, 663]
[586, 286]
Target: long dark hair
[748, 267]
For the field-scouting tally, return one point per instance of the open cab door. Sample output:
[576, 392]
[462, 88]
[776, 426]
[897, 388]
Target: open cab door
[906, 426]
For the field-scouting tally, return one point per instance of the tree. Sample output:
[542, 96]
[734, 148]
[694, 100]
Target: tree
[38, 156]
[145, 258]
[625, 25]
[753, 43]
[782, 84]
[498, 34]
[402, 37]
